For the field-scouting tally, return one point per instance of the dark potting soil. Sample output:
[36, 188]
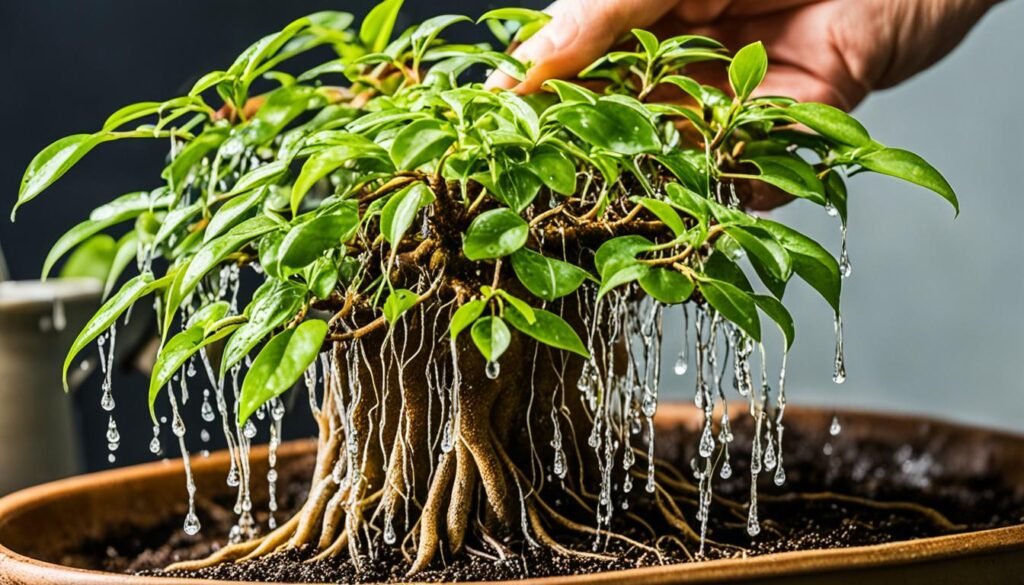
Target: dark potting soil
[968, 495]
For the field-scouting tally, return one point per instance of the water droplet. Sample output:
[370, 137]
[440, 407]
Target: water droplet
[389, 532]
[178, 426]
[680, 366]
[207, 409]
[192, 525]
[113, 436]
[707, 442]
[835, 428]
[191, 371]
[753, 526]
[769, 455]
[107, 401]
[493, 370]
[831, 209]
[111, 458]
[780, 476]
[204, 436]
[726, 471]
[250, 429]
[839, 376]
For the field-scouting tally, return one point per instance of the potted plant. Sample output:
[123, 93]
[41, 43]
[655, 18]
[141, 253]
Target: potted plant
[471, 284]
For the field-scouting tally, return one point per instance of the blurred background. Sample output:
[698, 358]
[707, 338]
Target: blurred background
[934, 310]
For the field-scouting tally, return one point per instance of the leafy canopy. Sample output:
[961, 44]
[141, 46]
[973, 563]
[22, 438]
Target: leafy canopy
[387, 176]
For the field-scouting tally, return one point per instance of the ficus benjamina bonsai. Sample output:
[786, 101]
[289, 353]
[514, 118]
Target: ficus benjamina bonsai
[478, 276]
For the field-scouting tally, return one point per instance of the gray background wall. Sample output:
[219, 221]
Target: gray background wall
[934, 309]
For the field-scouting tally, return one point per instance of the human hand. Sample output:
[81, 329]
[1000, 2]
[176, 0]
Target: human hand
[832, 51]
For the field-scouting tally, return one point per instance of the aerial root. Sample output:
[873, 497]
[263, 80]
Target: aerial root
[461, 499]
[431, 515]
[548, 541]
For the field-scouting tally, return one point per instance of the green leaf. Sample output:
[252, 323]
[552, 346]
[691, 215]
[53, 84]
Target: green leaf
[648, 41]
[273, 305]
[666, 285]
[375, 32]
[792, 175]
[525, 116]
[132, 291]
[778, 313]
[612, 126]
[210, 255]
[618, 252]
[624, 274]
[811, 261]
[689, 202]
[830, 122]
[491, 336]
[323, 277]
[494, 234]
[232, 212]
[734, 304]
[401, 209]
[466, 315]
[763, 249]
[124, 253]
[307, 241]
[747, 69]
[554, 169]
[280, 365]
[664, 212]
[547, 278]
[92, 259]
[520, 305]
[180, 348]
[177, 172]
[420, 142]
[569, 92]
[52, 162]
[353, 147]
[908, 166]
[549, 329]
[79, 234]
[398, 302]
[517, 185]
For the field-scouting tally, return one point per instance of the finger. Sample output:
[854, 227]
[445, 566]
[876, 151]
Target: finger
[580, 31]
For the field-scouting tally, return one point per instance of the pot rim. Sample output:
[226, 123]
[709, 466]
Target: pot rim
[763, 566]
[27, 294]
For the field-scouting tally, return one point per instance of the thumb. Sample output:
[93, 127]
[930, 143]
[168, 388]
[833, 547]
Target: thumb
[580, 31]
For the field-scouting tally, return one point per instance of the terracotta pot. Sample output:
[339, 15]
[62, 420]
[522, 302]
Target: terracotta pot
[37, 524]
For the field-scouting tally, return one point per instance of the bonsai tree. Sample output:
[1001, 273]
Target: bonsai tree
[478, 278]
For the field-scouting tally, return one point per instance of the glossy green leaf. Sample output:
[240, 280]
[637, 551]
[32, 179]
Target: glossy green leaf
[811, 261]
[618, 252]
[732, 303]
[124, 254]
[666, 285]
[469, 312]
[612, 126]
[323, 277]
[52, 162]
[398, 302]
[177, 172]
[494, 234]
[280, 365]
[554, 169]
[830, 122]
[624, 274]
[763, 249]
[491, 336]
[421, 142]
[549, 329]
[908, 166]
[273, 305]
[664, 212]
[689, 202]
[132, 291]
[232, 212]
[401, 209]
[307, 241]
[747, 69]
[375, 32]
[318, 166]
[778, 313]
[792, 175]
[177, 352]
[547, 278]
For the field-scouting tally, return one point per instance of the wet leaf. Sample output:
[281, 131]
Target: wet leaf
[176, 353]
[307, 241]
[734, 304]
[466, 315]
[52, 162]
[666, 285]
[124, 254]
[547, 278]
[274, 304]
[398, 302]
[764, 249]
[421, 142]
[491, 336]
[549, 329]
[830, 122]
[664, 212]
[401, 209]
[494, 234]
[620, 251]
[792, 175]
[232, 212]
[280, 365]
[554, 169]
[325, 162]
[612, 126]
[811, 261]
[623, 274]
[908, 166]
[747, 69]
[778, 313]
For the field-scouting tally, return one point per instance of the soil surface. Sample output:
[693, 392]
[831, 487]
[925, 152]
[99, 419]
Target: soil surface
[791, 518]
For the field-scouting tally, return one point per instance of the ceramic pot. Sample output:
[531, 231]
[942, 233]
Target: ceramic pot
[38, 323]
[38, 524]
